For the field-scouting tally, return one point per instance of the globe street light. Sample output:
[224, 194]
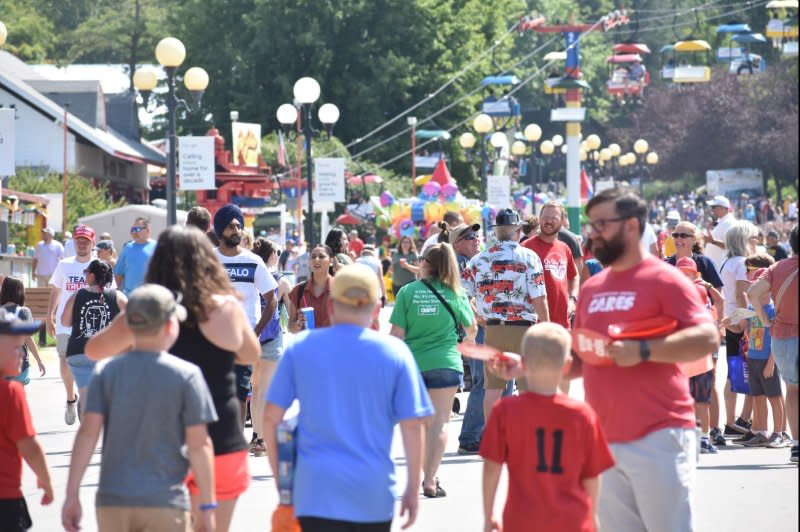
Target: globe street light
[532, 134]
[170, 54]
[3, 33]
[306, 92]
[482, 124]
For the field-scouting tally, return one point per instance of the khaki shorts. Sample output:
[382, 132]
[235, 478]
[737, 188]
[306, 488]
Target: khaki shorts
[62, 339]
[43, 281]
[504, 338]
[131, 518]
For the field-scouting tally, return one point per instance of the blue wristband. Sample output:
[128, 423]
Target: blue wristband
[208, 506]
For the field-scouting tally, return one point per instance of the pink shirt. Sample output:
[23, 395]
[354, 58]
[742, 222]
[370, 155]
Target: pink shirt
[635, 401]
[786, 322]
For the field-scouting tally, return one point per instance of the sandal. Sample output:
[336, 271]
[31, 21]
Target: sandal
[434, 493]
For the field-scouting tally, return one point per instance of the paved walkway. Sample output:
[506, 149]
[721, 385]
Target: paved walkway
[738, 489]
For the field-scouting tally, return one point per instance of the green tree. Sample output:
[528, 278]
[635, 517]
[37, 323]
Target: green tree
[31, 34]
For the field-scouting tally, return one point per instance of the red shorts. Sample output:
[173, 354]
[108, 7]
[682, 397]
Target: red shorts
[231, 476]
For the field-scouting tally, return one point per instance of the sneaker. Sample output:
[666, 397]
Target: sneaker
[742, 426]
[717, 437]
[259, 449]
[730, 431]
[71, 413]
[746, 437]
[253, 443]
[706, 447]
[469, 449]
[775, 441]
[759, 440]
[794, 453]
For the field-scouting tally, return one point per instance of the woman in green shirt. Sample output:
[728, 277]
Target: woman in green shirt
[404, 264]
[429, 328]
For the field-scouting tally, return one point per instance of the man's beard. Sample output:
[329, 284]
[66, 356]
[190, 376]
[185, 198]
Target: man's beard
[554, 231]
[232, 241]
[611, 250]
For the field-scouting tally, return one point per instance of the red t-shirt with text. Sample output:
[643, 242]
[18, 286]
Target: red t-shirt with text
[15, 425]
[550, 445]
[559, 268]
[632, 402]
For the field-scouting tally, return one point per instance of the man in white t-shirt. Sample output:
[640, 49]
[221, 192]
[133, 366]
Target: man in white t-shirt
[368, 258]
[249, 276]
[650, 240]
[715, 240]
[46, 256]
[68, 278]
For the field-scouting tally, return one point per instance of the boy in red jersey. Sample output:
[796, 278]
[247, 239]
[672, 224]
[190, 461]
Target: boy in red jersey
[553, 445]
[17, 437]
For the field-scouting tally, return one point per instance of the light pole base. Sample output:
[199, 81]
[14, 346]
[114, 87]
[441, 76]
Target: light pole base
[574, 216]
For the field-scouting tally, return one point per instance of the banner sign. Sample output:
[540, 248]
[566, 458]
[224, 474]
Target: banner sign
[246, 143]
[196, 163]
[329, 179]
[498, 191]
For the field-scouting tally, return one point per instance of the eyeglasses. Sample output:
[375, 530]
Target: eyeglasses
[137, 229]
[682, 235]
[598, 226]
[234, 225]
[470, 236]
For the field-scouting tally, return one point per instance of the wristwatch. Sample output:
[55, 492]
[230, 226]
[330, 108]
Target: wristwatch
[644, 351]
[574, 298]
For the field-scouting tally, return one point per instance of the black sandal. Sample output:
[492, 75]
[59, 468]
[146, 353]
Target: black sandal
[434, 493]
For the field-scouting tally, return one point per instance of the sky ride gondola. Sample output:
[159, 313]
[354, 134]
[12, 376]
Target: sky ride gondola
[726, 54]
[627, 76]
[781, 30]
[504, 109]
[691, 62]
[749, 62]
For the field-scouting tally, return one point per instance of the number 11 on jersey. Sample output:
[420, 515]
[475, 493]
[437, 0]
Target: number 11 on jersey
[558, 439]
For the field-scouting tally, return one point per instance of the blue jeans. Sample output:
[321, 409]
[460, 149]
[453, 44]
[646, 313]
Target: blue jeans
[473, 422]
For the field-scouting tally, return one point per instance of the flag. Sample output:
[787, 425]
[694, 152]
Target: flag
[281, 151]
[586, 186]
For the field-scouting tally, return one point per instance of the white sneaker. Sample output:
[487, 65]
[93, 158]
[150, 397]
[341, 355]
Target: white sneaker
[71, 413]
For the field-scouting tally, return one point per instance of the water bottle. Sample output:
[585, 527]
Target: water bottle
[287, 454]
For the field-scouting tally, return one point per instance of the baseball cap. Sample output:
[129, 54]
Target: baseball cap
[463, 230]
[719, 201]
[150, 306]
[11, 324]
[84, 231]
[48, 231]
[104, 244]
[355, 285]
[506, 217]
[687, 264]
[772, 234]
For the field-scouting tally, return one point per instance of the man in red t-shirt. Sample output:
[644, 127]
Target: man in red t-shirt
[356, 244]
[17, 437]
[641, 396]
[553, 445]
[560, 275]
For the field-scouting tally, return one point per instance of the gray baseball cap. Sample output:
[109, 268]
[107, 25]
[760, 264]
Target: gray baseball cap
[150, 306]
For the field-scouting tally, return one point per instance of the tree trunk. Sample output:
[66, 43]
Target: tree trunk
[134, 45]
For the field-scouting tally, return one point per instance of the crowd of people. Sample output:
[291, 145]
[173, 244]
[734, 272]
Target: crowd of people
[206, 328]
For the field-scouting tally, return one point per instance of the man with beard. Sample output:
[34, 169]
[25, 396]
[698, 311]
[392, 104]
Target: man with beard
[641, 395]
[560, 274]
[250, 277]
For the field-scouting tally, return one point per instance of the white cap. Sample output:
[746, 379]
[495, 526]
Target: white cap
[719, 201]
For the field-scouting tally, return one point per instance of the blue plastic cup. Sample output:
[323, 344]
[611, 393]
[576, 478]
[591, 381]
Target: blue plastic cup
[308, 312]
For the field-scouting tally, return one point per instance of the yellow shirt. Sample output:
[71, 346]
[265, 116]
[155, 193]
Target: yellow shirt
[669, 246]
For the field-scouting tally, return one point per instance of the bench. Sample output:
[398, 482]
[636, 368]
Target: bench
[38, 300]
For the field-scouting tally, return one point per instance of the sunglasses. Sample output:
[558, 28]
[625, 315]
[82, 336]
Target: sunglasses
[137, 229]
[682, 235]
[471, 236]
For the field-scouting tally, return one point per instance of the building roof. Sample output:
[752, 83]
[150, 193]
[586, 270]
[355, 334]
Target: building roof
[109, 141]
[83, 98]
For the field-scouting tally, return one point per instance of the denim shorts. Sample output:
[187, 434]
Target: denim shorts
[443, 378]
[81, 368]
[243, 376]
[785, 352]
[273, 349]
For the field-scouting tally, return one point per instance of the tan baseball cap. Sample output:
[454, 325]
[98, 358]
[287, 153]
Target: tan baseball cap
[355, 285]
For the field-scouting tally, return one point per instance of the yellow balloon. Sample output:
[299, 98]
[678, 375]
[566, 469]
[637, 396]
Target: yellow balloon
[453, 206]
[423, 179]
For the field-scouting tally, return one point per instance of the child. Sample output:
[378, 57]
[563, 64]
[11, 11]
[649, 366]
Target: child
[553, 446]
[17, 437]
[763, 376]
[149, 404]
[701, 386]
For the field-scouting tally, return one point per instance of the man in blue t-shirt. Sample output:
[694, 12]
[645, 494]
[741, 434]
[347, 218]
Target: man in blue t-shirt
[135, 256]
[353, 385]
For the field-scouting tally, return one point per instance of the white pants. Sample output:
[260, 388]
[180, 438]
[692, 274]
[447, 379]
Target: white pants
[651, 487]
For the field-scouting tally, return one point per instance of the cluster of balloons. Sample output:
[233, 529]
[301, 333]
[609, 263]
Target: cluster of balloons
[415, 218]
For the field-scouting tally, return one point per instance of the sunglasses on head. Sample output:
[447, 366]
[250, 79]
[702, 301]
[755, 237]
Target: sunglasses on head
[682, 235]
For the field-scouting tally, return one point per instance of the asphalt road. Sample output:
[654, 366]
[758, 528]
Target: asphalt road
[738, 489]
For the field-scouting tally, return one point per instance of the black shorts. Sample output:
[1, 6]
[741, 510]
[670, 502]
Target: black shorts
[243, 375]
[14, 515]
[758, 384]
[701, 387]
[318, 524]
[732, 340]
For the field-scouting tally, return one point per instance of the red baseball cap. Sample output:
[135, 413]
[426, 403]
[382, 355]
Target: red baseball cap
[687, 264]
[84, 231]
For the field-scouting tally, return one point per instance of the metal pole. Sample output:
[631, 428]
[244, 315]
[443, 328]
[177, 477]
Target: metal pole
[64, 178]
[532, 169]
[298, 175]
[308, 133]
[483, 167]
[413, 160]
[172, 217]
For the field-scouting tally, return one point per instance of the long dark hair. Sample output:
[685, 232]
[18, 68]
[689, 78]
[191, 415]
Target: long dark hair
[185, 263]
[334, 241]
[263, 248]
[12, 291]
